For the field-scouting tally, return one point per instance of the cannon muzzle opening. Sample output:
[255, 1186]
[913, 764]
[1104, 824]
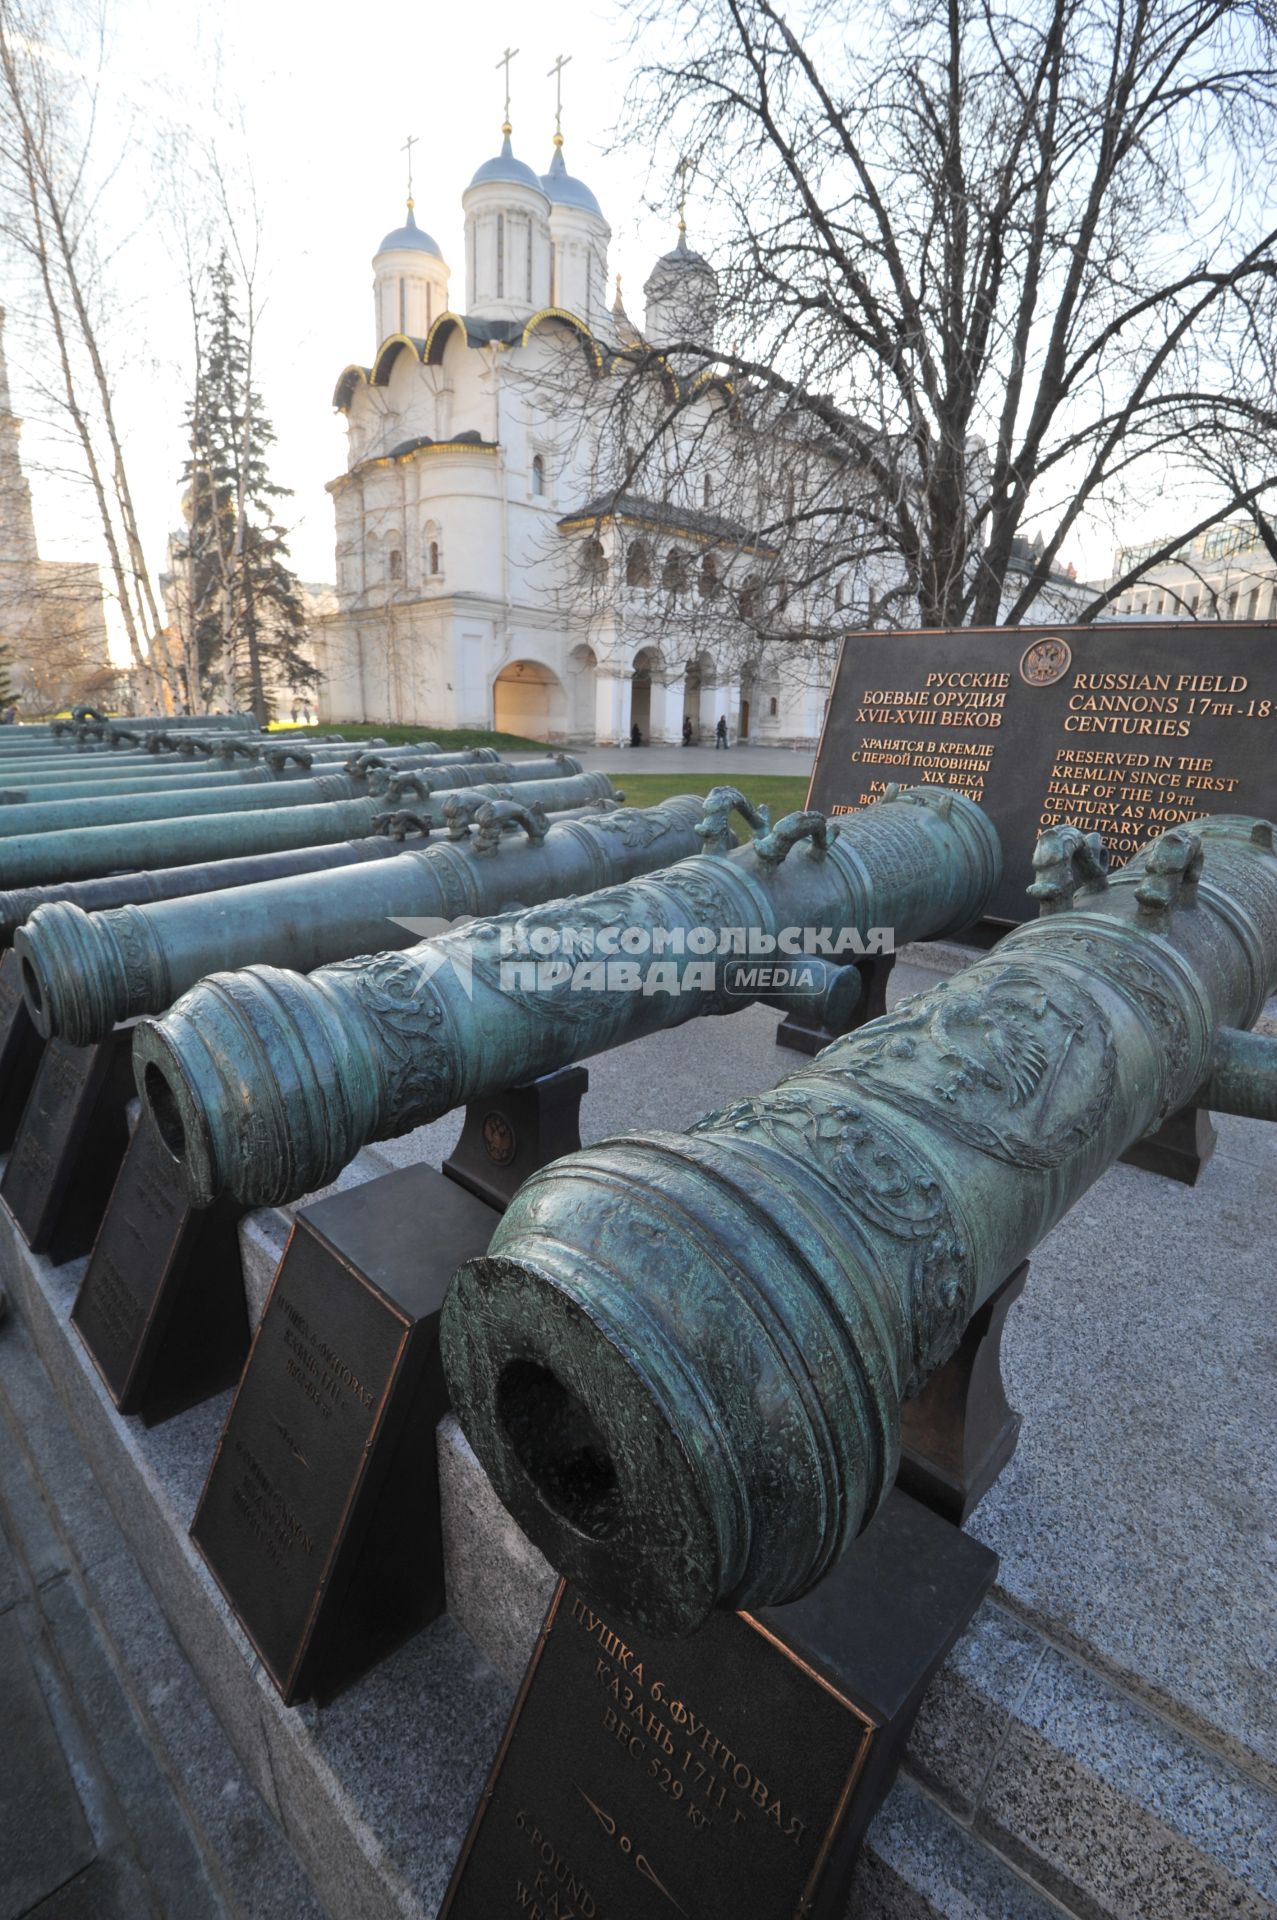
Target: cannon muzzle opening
[612, 1481]
[559, 1447]
[165, 1111]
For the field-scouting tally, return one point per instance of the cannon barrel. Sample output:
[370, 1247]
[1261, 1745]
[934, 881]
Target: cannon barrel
[193, 797]
[372, 754]
[139, 886]
[254, 759]
[156, 776]
[268, 1083]
[73, 763]
[65, 733]
[198, 796]
[85, 853]
[682, 1360]
[148, 774]
[82, 972]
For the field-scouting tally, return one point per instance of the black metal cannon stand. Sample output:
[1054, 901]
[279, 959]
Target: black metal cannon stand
[960, 1432]
[21, 1050]
[69, 1145]
[161, 1306]
[506, 1138]
[805, 1036]
[320, 1517]
[1179, 1148]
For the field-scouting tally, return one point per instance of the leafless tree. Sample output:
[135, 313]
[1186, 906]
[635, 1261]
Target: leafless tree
[987, 270]
[49, 175]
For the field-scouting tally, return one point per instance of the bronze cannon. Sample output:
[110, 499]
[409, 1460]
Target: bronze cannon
[268, 1084]
[683, 1358]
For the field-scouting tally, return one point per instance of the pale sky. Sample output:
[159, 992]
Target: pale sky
[327, 96]
[322, 100]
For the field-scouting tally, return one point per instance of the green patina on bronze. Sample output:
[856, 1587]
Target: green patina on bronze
[83, 972]
[268, 1084]
[153, 777]
[137, 886]
[143, 773]
[86, 852]
[201, 794]
[683, 1359]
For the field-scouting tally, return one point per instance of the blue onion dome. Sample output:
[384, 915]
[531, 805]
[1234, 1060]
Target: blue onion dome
[681, 259]
[563, 188]
[410, 238]
[506, 170]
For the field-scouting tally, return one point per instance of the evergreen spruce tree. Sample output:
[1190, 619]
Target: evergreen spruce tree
[246, 617]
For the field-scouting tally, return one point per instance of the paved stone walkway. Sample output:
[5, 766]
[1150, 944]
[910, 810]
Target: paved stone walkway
[120, 1796]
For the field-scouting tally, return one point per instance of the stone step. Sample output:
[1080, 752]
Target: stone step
[1095, 1798]
[1101, 1807]
[130, 1800]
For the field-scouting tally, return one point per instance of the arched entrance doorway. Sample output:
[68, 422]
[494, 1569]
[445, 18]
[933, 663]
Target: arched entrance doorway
[699, 680]
[582, 680]
[646, 660]
[527, 698]
[746, 703]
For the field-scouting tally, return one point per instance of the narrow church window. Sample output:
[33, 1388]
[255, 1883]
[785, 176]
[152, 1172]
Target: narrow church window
[710, 583]
[773, 707]
[429, 306]
[500, 256]
[403, 308]
[674, 572]
[538, 474]
[707, 492]
[527, 228]
[396, 564]
[434, 556]
[838, 598]
[638, 565]
[593, 559]
[554, 274]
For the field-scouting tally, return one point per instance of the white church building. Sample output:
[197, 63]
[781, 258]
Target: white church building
[491, 571]
[542, 525]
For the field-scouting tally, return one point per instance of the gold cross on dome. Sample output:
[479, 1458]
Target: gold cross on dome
[504, 61]
[407, 148]
[556, 74]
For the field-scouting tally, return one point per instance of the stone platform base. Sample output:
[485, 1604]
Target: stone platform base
[1102, 1743]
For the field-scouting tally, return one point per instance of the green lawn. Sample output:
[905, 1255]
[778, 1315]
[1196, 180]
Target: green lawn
[782, 792]
[450, 738]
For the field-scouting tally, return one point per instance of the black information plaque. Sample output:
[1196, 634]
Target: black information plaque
[729, 1775]
[161, 1305]
[68, 1149]
[319, 1519]
[21, 1049]
[1121, 729]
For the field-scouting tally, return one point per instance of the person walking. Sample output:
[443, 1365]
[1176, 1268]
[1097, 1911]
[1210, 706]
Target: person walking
[720, 733]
